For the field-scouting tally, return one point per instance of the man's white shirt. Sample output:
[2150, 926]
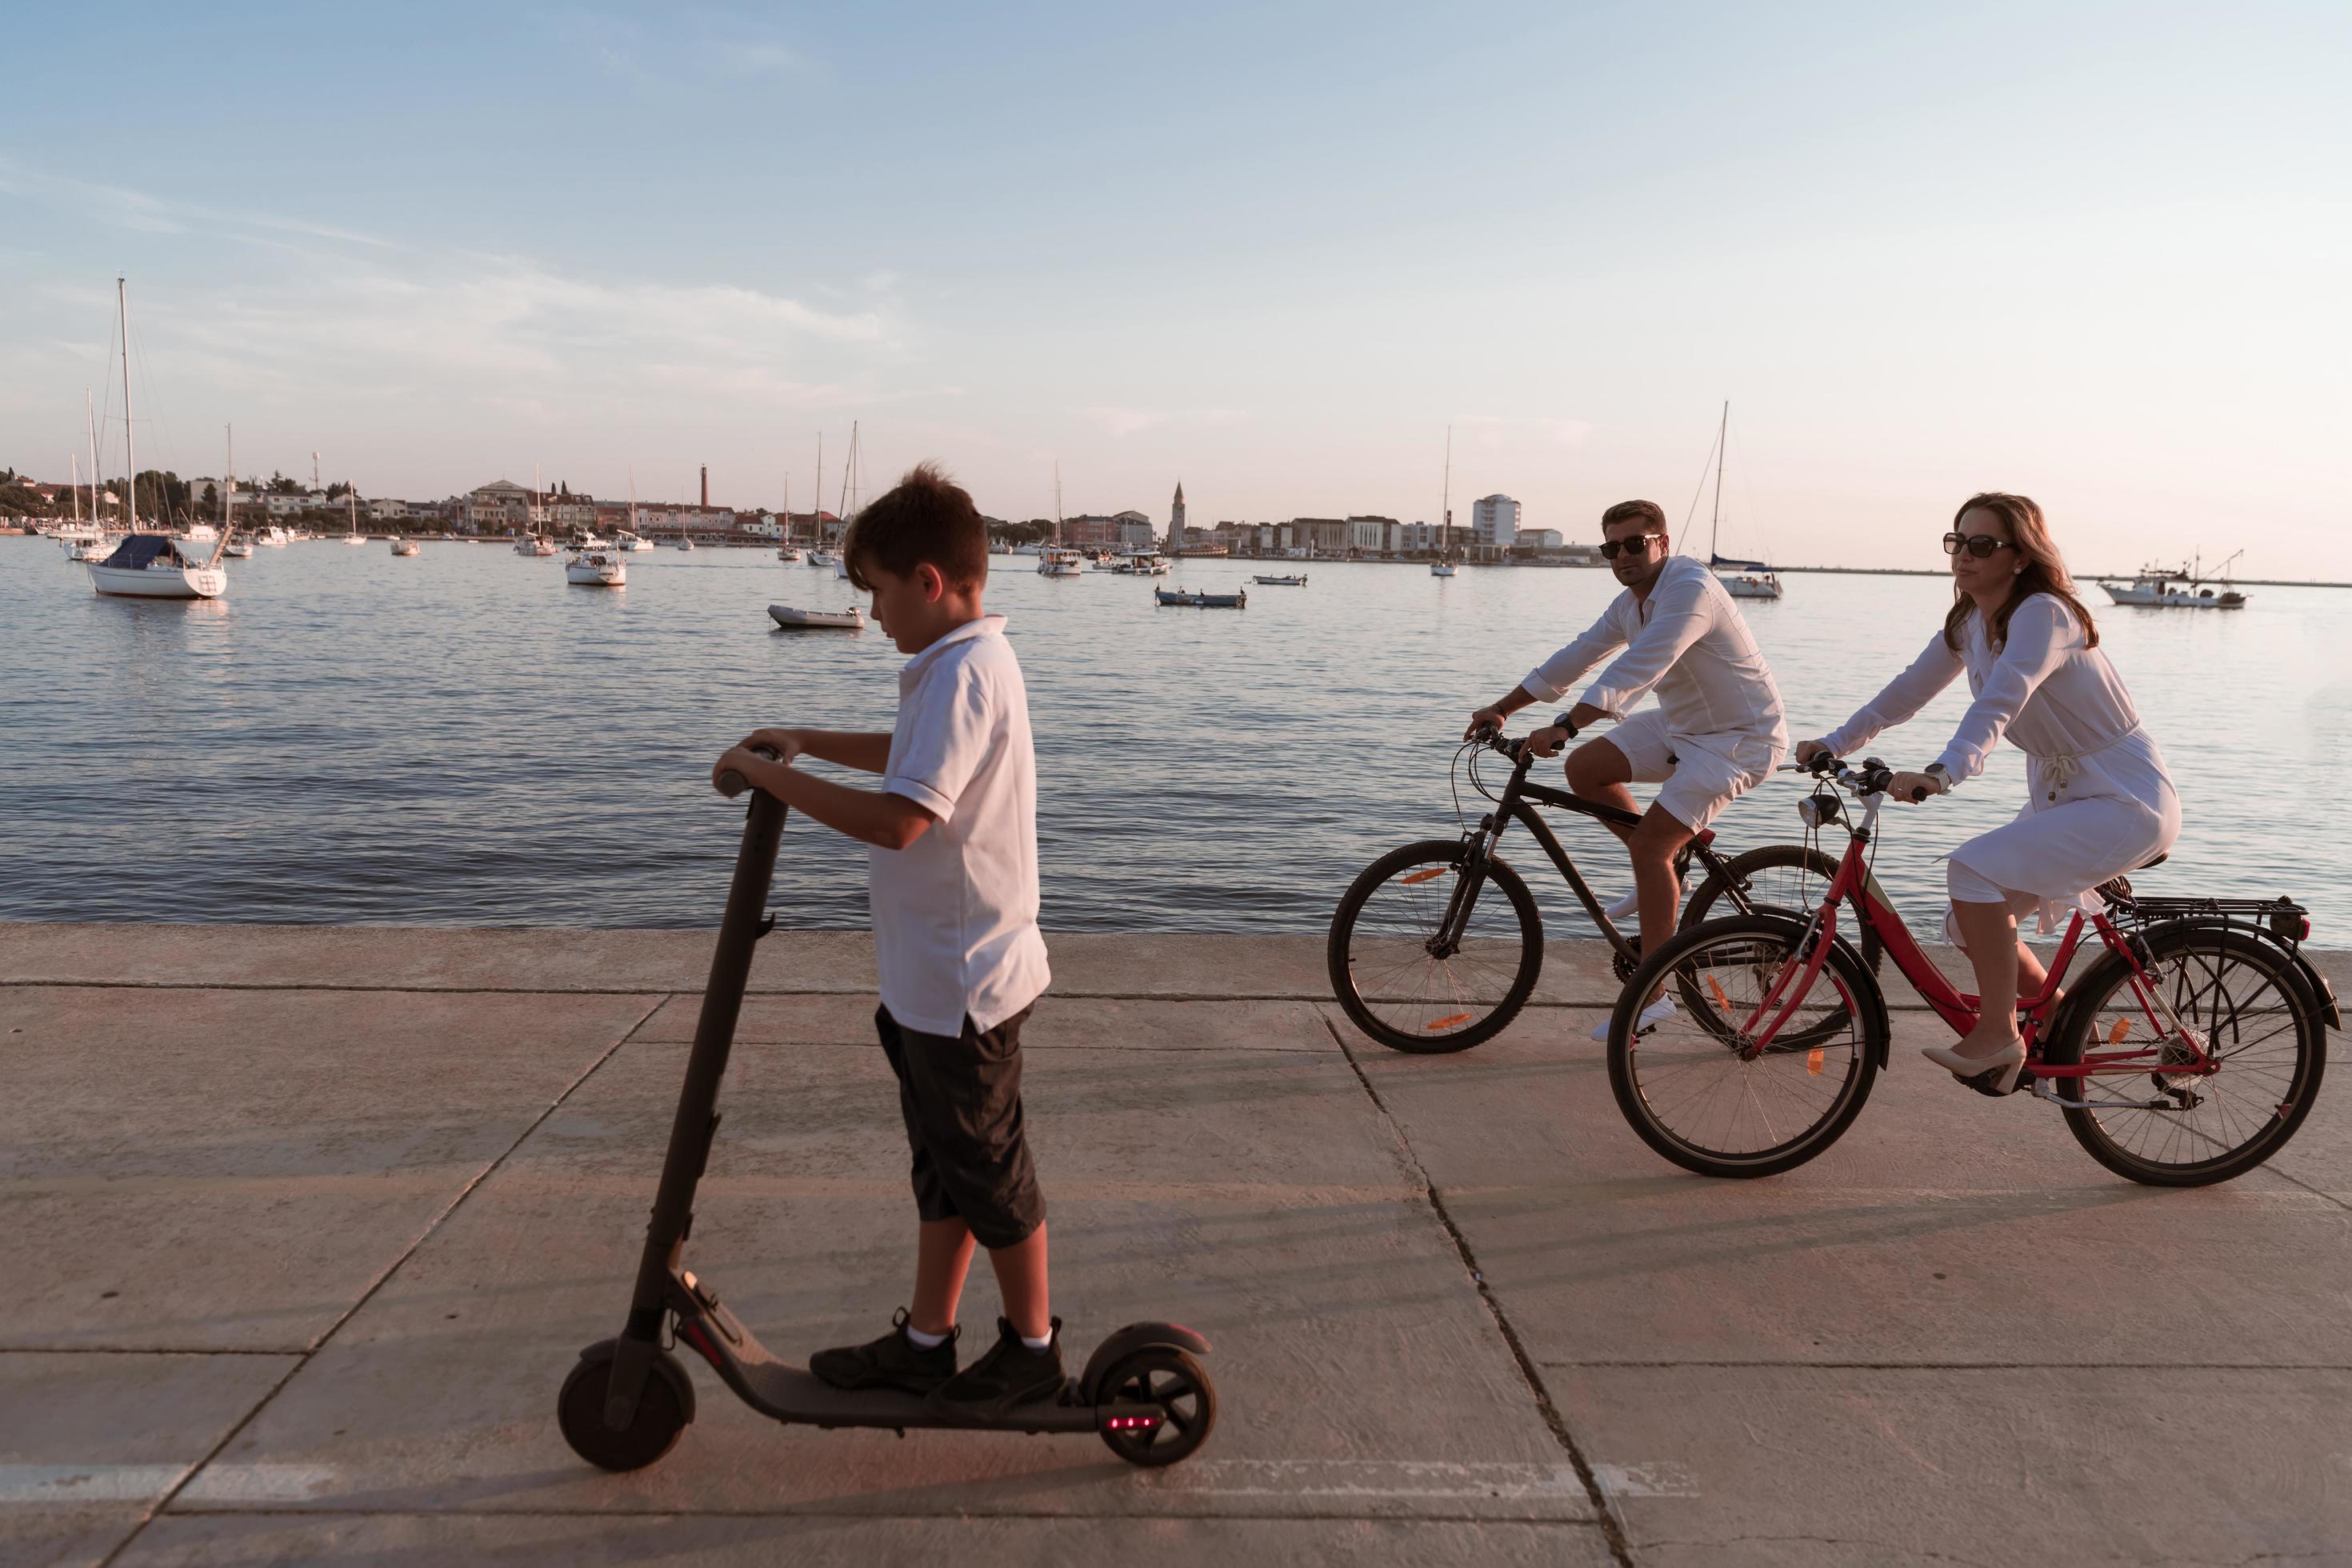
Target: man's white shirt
[1689, 643]
[955, 913]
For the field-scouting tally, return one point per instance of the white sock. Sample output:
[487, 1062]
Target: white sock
[923, 1341]
[1028, 1343]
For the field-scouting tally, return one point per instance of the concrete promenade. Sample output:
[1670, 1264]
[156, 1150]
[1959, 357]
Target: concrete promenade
[308, 1224]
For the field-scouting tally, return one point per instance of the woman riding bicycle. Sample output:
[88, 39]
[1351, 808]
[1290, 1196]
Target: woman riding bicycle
[2098, 803]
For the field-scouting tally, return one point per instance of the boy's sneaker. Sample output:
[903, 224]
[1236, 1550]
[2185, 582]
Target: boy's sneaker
[1010, 1375]
[894, 1361]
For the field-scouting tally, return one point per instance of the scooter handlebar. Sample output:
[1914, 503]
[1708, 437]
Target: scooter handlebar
[732, 783]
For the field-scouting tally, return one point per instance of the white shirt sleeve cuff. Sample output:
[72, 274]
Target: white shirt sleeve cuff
[1535, 685]
[1607, 699]
[922, 795]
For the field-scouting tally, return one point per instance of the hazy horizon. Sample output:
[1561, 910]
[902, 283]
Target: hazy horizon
[2092, 252]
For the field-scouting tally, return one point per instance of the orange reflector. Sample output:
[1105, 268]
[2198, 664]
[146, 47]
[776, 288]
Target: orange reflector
[1445, 1023]
[1721, 999]
[1433, 871]
[2115, 1035]
[1813, 1059]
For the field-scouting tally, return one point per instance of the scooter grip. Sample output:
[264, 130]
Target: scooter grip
[732, 783]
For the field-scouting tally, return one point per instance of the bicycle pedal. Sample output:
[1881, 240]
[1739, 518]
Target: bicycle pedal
[1988, 1083]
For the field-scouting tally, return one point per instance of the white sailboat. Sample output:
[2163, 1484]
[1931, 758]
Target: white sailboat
[1056, 560]
[601, 565]
[1446, 561]
[149, 565]
[1740, 579]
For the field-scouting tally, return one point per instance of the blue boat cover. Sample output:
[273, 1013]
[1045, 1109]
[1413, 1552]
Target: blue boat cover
[138, 549]
[1726, 564]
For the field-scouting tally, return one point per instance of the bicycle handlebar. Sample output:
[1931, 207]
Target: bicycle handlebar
[1492, 737]
[1873, 777]
[732, 783]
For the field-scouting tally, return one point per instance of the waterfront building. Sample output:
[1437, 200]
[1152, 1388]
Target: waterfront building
[384, 508]
[501, 504]
[1371, 535]
[1543, 538]
[1494, 522]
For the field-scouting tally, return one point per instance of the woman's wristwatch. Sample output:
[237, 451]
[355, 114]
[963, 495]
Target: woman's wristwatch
[1941, 774]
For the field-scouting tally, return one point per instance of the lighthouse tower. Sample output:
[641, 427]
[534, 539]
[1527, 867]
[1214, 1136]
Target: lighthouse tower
[1176, 520]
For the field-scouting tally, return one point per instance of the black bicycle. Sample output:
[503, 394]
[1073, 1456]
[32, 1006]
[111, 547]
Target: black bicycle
[1437, 945]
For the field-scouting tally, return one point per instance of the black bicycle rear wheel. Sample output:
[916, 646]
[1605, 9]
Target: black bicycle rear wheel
[1781, 880]
[1386, 968]
[1696, 1096]
[2258, 1019]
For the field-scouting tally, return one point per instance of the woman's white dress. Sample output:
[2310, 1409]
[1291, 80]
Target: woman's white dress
[2099, 803]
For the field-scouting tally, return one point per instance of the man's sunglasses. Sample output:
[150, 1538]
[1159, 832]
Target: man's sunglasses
[1979, 545]
[1639, 544]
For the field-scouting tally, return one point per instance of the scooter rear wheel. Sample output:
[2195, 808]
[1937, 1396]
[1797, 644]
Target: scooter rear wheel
[1167, 1377]
[661, 1414]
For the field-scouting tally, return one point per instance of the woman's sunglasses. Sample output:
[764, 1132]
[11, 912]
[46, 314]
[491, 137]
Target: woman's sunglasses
[1979, 545]
[1639, 544]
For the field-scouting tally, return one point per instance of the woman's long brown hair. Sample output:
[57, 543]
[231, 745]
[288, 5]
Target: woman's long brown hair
[2045, 570]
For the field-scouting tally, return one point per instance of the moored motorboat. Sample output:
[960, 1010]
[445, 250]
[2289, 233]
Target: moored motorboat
[1178, 597]
[791, 552]
[597, 568]
[1056, 560]
[795, 620]
[238, 549]
[1298, 582]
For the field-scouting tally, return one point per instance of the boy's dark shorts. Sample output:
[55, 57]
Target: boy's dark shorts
[961, 1099]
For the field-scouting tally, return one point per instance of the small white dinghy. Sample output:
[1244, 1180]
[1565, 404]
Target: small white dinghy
[791, 620]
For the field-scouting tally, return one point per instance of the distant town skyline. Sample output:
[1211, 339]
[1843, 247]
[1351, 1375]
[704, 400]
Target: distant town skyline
[2091, 254]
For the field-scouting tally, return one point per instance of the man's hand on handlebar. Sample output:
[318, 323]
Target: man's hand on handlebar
[1485, 719]
[1545, 742]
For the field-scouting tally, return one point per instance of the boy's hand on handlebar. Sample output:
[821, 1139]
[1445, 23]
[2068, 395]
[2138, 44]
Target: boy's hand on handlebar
[786, 743]
[745, 763]
[1484, 718]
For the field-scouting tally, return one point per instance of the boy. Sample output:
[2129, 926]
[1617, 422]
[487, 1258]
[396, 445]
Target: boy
[952, 887]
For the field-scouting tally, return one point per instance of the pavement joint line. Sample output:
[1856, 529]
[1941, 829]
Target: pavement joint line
[868, 1516]
[304, 1358]
[1952, 1365]
[1612, 1527]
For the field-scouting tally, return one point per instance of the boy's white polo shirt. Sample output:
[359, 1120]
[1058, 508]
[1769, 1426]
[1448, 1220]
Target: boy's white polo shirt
[955, 913]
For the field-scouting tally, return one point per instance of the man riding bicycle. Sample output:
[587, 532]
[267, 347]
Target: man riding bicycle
[1716, 733]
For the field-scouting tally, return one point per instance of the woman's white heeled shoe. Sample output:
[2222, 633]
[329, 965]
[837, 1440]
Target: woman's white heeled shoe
[2008, 1064]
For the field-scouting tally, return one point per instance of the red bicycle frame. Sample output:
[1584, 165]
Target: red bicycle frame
[1958, 1008]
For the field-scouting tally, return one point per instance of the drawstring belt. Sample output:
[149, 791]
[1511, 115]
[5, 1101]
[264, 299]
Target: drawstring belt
[2064, 765]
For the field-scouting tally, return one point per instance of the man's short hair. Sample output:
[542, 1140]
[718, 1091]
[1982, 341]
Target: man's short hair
[1647, 512]
[925, 517]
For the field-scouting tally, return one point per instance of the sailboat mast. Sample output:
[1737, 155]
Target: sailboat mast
[816, 506]
[848, 468]
[129, 450]
[90, 417]
[74, 458]
[228, 479]
[1445, 495]
[1715, 523]
[1058, 502]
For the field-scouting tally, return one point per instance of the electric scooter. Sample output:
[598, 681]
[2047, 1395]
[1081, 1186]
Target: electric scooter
[628, 1400]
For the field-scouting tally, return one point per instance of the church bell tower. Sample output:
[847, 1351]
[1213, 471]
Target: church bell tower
[1176, 520]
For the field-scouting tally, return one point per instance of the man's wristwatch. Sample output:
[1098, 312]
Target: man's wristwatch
[1561, 721]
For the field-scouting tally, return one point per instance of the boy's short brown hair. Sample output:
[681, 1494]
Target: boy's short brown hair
[925, 517]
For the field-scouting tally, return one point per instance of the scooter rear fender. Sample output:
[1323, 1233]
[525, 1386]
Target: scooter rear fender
[1125, 1342]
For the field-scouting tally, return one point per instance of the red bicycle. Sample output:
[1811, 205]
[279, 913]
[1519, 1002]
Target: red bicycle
[2188, 1053]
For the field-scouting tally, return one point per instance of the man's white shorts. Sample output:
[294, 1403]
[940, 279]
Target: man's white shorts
[1699, 775]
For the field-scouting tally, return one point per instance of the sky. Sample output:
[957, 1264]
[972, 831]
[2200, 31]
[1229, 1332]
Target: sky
[2099, 253]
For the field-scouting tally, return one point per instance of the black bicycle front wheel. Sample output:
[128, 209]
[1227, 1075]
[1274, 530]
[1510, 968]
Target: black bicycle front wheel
[2258, 1019]
[1401, 985]
[1778, 879]
[1692, 1089]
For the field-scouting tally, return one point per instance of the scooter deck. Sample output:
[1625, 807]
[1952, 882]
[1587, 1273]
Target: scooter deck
[793, 1393]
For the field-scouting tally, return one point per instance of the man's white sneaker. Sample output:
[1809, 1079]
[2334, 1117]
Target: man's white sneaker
[1656, 1013]
[1631, 904]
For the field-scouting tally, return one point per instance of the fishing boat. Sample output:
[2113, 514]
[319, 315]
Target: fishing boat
[792, 620]
[1740, 579]
[2159, 587]
[597, 568]
[1237, 600]
[1298, 582]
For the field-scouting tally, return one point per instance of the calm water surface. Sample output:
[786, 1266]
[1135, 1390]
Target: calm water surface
[463, 739]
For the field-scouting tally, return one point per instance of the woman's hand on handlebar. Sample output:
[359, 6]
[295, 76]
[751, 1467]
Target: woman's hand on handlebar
[1915, 787]
[1811, 751]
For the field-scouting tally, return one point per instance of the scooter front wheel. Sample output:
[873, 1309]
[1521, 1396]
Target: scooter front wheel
[1167, 1378]
[663, 1411]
